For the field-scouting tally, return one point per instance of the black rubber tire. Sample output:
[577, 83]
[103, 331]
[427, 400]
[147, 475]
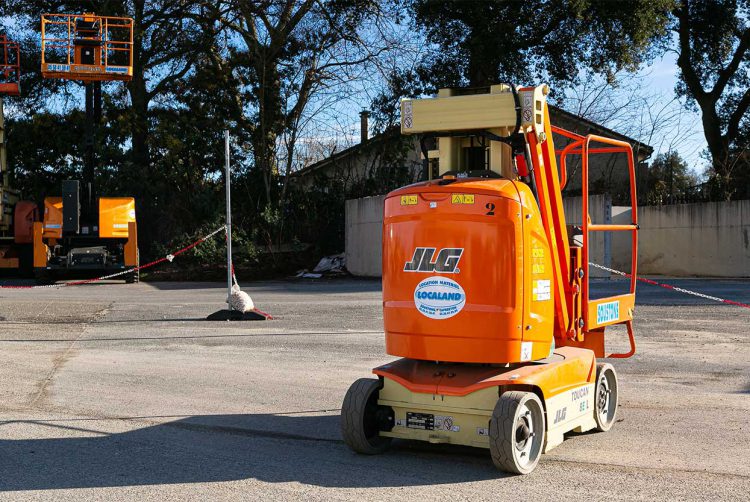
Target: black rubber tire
[45, 278]
[502, 431]
[358, 425]
[605, 371]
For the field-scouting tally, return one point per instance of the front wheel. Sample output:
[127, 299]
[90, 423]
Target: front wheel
[517, 431]
[362, 419]
[605, 397]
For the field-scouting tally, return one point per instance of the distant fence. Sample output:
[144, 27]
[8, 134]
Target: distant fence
[710, 239]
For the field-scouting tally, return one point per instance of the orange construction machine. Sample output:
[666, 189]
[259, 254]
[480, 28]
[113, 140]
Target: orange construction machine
[16, 216]
[81, 232]
[486, 289]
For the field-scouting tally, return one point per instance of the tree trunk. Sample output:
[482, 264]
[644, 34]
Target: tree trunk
[270, 121]
[140, 99]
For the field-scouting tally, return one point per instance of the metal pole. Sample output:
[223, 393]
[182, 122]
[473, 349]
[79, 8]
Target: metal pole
[227, 183]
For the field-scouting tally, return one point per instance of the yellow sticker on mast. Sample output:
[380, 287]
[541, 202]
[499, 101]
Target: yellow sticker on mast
[462, 198]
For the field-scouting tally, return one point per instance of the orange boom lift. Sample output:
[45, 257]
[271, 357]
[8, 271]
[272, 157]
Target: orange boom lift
[16, 216]
[486, 289]
[83, 233]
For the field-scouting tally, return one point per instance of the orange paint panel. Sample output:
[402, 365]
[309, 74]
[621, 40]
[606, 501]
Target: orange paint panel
[568, 368]
[115, 214]
[131, 246]
[53, 218]
[454, 274]
[39, 248]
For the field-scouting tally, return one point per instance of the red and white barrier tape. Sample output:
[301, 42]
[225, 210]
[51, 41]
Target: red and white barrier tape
[169, 258]
[673, 288]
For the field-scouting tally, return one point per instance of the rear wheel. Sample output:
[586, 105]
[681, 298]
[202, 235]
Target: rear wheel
[517, 432]
[44, 277]
[605, 397]
[362, 419]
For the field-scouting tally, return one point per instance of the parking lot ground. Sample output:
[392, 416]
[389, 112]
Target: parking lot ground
[124, 392]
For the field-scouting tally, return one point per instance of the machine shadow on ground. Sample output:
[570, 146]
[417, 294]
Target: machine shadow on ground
[199, 449]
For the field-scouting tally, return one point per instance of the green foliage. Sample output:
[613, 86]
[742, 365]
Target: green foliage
[481, 43]
[670, 180]
[712, 40]
[254, 68]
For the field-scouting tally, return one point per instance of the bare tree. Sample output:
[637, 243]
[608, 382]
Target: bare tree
[295, 59]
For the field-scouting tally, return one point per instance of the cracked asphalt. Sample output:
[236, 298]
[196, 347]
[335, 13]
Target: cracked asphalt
[124, 392]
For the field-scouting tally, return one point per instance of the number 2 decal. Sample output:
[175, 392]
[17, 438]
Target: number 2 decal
[490, 209]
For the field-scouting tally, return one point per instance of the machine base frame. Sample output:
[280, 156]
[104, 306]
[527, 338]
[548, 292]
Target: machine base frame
[453, 403]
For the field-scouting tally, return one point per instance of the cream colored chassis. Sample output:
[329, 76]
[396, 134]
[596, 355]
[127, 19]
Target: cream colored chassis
[571, 410]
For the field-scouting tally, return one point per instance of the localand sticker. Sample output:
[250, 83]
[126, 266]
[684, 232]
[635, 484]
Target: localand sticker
[439, 297]
[483, 431]
[408, 200]
[607, 312]
[462, 198]
[526, 351]
[541, 290]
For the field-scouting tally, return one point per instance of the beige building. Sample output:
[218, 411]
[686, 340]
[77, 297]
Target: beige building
[388, 160]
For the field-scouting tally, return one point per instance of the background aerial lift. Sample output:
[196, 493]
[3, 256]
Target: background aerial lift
[82, 232]
[486, 290]
[16, 216]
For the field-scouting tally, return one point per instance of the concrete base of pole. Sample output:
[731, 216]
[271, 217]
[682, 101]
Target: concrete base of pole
[234, 315]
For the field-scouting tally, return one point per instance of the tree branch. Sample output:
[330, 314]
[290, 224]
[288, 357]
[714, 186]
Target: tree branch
[727, 73]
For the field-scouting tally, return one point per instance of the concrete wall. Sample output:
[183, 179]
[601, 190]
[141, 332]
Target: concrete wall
[710, 239]
[600, 208]
[364, 236]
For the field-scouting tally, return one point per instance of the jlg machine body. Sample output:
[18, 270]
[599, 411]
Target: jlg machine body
[83, 232]
[486, 289]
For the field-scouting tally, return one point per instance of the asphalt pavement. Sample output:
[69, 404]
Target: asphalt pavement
[125, 392]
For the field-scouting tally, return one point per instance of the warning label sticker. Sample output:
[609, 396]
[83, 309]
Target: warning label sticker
[407, 116]
[462, 198]
[541, 290]
[408, 200]
[443, 423]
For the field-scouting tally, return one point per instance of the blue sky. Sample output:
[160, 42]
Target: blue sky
[662, 76]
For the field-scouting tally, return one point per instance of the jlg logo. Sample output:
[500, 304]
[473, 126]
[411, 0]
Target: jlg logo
[446, 261]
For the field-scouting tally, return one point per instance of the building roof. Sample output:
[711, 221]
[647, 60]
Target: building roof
[589, 125]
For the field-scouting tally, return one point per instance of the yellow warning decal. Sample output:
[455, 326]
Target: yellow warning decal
[462, 198]
[408, 200]
[537, 260]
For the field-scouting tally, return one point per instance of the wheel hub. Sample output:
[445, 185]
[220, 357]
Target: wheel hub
[603, 398]
[523, 433]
